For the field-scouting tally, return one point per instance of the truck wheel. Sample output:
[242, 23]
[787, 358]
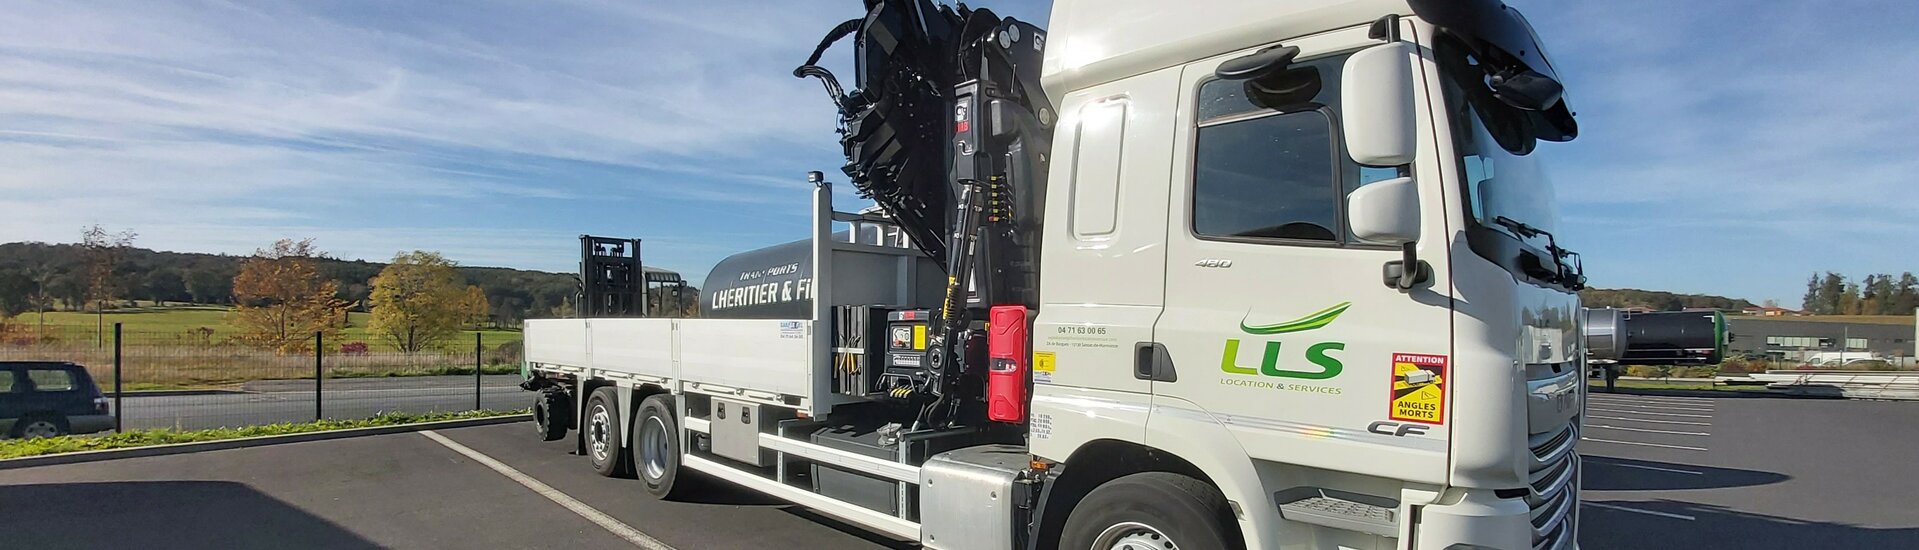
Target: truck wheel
[602, 433]
[551, 414]
[1152, 511]
[656, 447]
[40, 425]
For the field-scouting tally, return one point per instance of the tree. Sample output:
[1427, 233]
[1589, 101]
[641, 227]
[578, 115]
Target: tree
[16, 293]
[1814, 298]
[163, 285]
[1832, 292]
[476, 307]
[207, 286]
[419, 300]
[282, 300]
[103, 252]
[1905, 295]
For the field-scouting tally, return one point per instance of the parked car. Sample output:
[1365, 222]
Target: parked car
[46, 399]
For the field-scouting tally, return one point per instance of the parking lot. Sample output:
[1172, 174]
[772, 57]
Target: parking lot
[1698, 470]
[1661, 471]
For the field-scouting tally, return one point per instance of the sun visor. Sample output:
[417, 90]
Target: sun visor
[1501, 38]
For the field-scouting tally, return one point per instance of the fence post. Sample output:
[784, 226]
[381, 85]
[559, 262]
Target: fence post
[319, 374]
[477, 359]
[119, 390]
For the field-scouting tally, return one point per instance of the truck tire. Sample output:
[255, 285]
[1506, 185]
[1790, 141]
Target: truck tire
[656, 448]
[601, 428]
[1152, 510]
[552, 414]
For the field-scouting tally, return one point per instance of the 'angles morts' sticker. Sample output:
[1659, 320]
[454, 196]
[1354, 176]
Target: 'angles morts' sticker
[1419, 388]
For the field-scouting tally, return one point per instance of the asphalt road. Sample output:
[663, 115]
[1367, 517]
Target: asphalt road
[1660, 471]
[273, 401]
[393, 491]
[1666, 470]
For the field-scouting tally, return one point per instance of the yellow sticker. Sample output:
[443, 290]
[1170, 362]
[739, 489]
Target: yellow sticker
[1043, 361]
[919, 336]
[1419, 388]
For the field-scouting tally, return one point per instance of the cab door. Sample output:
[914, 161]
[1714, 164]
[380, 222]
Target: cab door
[1277, 321]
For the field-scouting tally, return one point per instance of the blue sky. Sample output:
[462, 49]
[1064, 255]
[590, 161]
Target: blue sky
[1728, 147]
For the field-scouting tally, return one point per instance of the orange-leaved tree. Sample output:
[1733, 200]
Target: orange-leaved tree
[282, 299]
[419, 301]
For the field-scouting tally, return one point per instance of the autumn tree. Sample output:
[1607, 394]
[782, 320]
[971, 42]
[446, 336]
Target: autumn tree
[476, 307]
[103, 253]
[282, 300]
[419, 300]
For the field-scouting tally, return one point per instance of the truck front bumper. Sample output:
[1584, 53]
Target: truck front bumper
[1477, 519]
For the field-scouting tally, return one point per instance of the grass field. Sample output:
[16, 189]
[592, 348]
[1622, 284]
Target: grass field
[177, 319]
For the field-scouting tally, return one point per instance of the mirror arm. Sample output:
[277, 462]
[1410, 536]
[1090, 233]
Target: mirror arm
[1408, 271]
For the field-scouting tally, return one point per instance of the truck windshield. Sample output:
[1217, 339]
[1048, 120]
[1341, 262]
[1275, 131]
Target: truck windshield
[1507, 189]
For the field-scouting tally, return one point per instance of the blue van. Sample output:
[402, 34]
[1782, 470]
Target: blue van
[46, 399]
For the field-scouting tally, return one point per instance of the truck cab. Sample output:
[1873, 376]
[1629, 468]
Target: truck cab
[1252, 333]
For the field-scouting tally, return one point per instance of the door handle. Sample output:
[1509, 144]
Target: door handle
[1152, 362]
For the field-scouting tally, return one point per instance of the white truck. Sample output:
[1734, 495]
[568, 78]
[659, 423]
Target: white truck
[1292, 285]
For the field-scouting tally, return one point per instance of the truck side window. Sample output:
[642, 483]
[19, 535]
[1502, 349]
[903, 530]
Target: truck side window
[6, 381]
[1271, 165]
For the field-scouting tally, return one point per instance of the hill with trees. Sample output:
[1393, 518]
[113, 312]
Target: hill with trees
[1657, 300]
[67, 276]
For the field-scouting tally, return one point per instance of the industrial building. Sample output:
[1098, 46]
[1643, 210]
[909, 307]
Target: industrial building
[1800, 338]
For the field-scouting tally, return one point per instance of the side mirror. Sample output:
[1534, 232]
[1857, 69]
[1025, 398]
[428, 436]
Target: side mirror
[1388, 212]
[1385, 212]
[1376, 105]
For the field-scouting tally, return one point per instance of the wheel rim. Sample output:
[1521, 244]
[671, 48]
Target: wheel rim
[653, 447]
[600, 432]
[1133, 535]
[40, 428]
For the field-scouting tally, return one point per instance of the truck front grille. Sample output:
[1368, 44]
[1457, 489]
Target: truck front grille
[1553, 492]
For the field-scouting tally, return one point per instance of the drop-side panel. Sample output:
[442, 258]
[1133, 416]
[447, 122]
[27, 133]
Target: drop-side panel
[637, 346]
[556, 342]
[763, 355]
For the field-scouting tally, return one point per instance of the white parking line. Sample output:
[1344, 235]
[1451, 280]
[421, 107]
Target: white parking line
[1639, 511]
[1650, 413]
[1652, 421]
[1653, 468]
[1644, 399]
[607, 522]
[1660, 445]
[1656, 407]
[1605, 427]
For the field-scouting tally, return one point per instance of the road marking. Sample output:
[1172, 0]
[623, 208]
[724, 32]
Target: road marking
[607, 522]
[1652, 421]
[1602, 426]
[1653, 468]
[1595, 440]
[1650, 413]
[1641, 399]
[1687, 408]
[1639, 511]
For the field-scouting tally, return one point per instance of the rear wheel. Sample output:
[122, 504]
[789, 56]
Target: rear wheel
[1152, 511]
[656, 447]
[41, 425]
[605, 443]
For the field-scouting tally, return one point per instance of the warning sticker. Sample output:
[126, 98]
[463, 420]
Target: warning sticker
[1419, 388]
[1043, 367]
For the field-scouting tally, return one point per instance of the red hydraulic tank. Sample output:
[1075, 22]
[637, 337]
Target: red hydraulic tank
[1008, 358]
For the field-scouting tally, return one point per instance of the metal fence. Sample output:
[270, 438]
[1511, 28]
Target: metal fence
[195, 379]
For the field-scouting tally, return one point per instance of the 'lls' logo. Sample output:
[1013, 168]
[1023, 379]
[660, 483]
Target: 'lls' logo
[1319, 354]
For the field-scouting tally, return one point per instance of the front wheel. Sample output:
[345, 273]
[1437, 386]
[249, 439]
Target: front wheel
[605, 443]
[1152, 511]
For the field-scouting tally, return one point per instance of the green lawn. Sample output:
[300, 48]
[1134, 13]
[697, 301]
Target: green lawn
[16, 448]
[175, 319]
